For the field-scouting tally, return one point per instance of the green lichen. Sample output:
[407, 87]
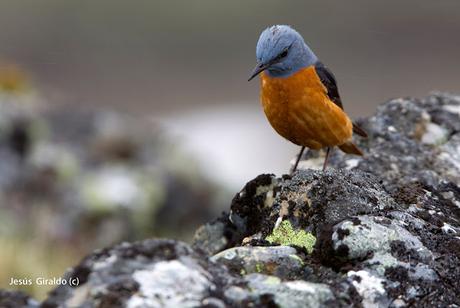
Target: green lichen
[297, 258]
[286, 235]
[259, 267]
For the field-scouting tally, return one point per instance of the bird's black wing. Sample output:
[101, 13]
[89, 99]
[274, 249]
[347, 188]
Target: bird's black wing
[328, 80]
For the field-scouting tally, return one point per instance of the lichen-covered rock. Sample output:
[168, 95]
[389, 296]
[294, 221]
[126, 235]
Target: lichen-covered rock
[166, 273]
[372, 248]
[381, 230]
[299, 208]
[152, 273]
[270, 291]
[280, 261]
[216, 236]
[386, 226]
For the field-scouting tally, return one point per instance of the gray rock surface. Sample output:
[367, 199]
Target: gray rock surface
[381, 230]
[280, 293]
[166, 273]
[13, 299]
[152, 273]
[281, 261]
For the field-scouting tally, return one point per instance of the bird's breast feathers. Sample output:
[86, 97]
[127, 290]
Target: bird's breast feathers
[300, 110]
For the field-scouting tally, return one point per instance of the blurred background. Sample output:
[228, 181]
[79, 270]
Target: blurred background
[121, 120]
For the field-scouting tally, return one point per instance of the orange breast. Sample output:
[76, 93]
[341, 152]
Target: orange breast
[299, 109]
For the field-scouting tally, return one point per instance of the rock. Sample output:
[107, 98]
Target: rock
[13, 299]
[410, 140]
[386, 245]
[151, 273]
[381, 230]
[388, 221]
[270, 291]
[280, 261]
[377, 235]
[210, 238]
[81, 179]
[166, 273]
[83, 167]
[309, 202]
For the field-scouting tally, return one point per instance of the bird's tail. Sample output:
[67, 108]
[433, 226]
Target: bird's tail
[350, 148]
[358, 130]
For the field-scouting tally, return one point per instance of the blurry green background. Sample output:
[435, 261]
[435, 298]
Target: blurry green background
[184, 65]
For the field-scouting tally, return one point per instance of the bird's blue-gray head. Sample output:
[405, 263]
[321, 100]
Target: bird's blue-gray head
[281, 51]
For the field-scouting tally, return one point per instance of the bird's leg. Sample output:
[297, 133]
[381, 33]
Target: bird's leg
[298, 159]
[327, 157]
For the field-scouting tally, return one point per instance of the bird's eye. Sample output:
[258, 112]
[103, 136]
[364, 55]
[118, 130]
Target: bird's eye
[283, 54]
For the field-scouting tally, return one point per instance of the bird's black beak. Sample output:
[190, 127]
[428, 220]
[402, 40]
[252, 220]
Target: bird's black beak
[260, 67]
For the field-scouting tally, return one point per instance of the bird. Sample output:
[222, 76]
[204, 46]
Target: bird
[299, 94]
